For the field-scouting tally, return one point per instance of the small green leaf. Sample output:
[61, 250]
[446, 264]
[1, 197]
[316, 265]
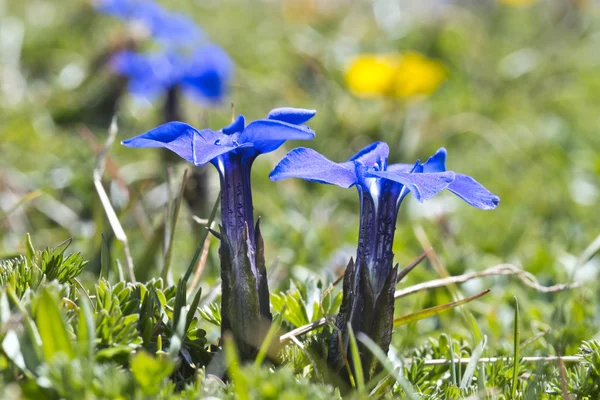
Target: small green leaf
[61, 247]
[30, 248]
[52, 329]
[150, 372]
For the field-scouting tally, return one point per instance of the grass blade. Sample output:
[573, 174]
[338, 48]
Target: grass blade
[198, 252]
[104, 259]
[175, 217]
[86, 333]
[359, 376]
[515, 377]
[472, 366]
[388, 366]
[266, 344]
[233, 368]
[432, 311]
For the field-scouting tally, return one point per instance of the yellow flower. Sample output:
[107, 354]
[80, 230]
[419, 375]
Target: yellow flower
[399, 75]
[417, 74]
[371, 75]
[523, 3]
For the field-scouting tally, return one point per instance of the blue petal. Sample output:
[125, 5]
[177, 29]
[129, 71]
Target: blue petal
[308, 164]
[205, 151]
[149, 75]
[268, 134]
[437, 162]
[372, 154]
[473, 192]
[167, 27]
[122, 9]
[400, 167]
[291, 115]
[422, 185]
[235, 126]
[209, 74]
[175, 136]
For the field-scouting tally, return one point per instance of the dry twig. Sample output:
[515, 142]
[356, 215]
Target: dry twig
[502, 269]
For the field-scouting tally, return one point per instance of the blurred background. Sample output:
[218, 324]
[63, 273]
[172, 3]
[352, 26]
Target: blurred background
[510, 87]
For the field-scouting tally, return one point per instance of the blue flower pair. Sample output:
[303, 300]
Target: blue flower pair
[369, 282]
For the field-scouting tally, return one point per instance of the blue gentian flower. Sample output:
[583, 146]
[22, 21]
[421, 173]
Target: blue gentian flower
[205, 75]
[232, 150]
[369, 283]
[170, 28]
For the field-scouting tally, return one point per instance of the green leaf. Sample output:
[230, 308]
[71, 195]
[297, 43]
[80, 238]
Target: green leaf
[86, 334]
[192, 311]
[179, 306]
[62, 246]
[12, 349]
[30, 248]
[51, 327]
[432, 311]
[150, 372]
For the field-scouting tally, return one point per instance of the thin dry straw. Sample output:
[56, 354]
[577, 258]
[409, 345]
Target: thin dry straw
[108, 208]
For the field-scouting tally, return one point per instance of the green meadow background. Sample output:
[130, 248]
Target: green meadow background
[519, 110]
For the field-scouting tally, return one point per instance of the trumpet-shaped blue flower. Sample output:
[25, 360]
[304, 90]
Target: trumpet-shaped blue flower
[232, 150]
[204, 76]
[368, 301]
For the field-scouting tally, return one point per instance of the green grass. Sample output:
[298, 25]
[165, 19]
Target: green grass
[519, 112]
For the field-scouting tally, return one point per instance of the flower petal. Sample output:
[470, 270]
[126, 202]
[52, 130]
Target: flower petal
[205, 152]
[437, 162]
[310, 165]
[235, 126]
[208, 74]
[372, 154]
[400, 167]
[175, 136]
[291, 115]
[473, 192]
[422, 185]
[268, 134]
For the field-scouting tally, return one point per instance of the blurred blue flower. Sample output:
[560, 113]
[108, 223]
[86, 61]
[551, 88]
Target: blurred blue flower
[122, 9]
[170, 28]
[233, 149]
[205, 75]
[369, 284]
